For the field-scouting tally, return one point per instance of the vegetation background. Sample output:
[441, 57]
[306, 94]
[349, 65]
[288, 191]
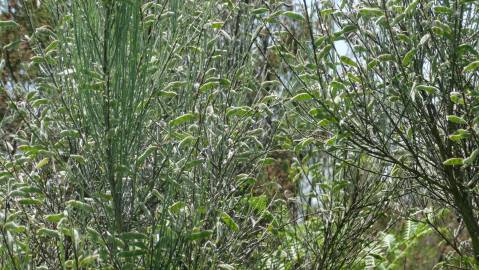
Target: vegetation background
[231, 134]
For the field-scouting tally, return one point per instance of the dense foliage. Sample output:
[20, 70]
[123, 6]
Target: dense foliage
[239, 134]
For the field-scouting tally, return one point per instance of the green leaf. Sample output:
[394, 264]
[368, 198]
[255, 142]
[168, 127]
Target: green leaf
[266, 161]
[31, 189]
[411, 7]
[428, 89]
[175, 85]
[331, 141]
[472, 157]
[8, 24]
[438, 31]
[315, 112]
[324, 122]
[472, 66]
[304, 142]
[14, 227]
[408, 57]
[18, 193]
[335, 85]
[79, 205]
[259, 203]
[12, 45]
[348, 61]
[182, 119]
[246, 180]
[293, 15]
[78, 158]
[455, 137]
[31, 149]
[371, 12]
[386, 57]
[37, 59]
[53, 45]
[467, 48]
[48, 233]
[302, 97]
[146, 154]
[259, 11]
[325, 51]
[88, 260]
[41, 163]
[200, 235]
[225, 82]
[216, 25]
[176, 207]
[69, 264]
[238, 111]
[54, 218]
[163, 93]
[457, 98]
[70, 133]
[373, 63]
[39, 102]
[29, 201]
[229, 222]
[442, 10]
[456, 119]
[459, 135]
[327, 11]
[186, 141]
[208, 86]
[349, 28]
[93, 234]
[453, 162]
[353, 78]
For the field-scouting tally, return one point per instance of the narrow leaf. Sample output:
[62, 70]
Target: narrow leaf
[207, 86]
[146, 154]
[88, 260]
[472, 157]
[453, 162]
[302, 97]
[472, 66]
[259, 11]
[182, 119]
[428, 89]
[200, 235]
[293, 15]
[228, 220]
[8, 24]
[411, 7]
[408, 57]
[42, 163]
[456, 119]
[371, 12]
[348, 61]
[79, 205]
